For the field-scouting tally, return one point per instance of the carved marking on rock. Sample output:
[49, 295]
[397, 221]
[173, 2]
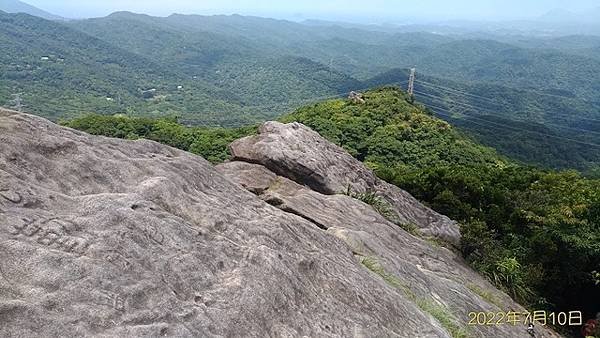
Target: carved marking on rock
[154, 235]
[49, 237]
[117, 259]
[18, 226]
[11, 196]
[110, 299]
[66, 244]
[27, 228]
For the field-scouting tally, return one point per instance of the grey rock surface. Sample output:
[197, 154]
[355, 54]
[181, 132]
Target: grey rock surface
[102, 237]
[424, 272]
[296, 152]
[105, 237]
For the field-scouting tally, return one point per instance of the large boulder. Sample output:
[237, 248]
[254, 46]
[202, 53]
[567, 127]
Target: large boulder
[298, 153]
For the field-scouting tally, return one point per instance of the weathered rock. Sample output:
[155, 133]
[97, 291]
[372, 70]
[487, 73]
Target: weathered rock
[106, 237]
[426, 273]
[255, 178]
[300, 154]
[412, 211]
[296, 152]
[114, 238]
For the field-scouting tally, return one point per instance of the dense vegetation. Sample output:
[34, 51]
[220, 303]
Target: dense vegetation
[210, 143]
[388, 130]
[62, 72]
[304, 61]
[141, 67]
[535, 233]
[234, 71]
[529, 126]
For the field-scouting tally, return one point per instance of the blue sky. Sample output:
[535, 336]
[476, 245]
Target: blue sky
[324, 9]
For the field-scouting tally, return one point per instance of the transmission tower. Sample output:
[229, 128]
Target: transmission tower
[411, 82]
[17, 103]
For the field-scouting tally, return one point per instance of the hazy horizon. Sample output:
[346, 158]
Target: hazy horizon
[377, 11]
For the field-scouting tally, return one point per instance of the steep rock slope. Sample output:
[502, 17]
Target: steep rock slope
[308, 170]
[106, 237]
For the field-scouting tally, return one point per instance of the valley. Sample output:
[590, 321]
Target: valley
[233, 71]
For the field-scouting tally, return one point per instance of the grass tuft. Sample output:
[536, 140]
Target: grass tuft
[485, 295]
[437, 311]
[384, 208]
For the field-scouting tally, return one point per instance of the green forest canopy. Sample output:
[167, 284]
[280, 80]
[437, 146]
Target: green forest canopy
[233, 71]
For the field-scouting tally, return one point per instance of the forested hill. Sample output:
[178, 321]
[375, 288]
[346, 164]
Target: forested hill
[524, 228]
[363, 53]
[548, 130]
[63, 72]
[248, 56]
[236, 70]
[16, 6]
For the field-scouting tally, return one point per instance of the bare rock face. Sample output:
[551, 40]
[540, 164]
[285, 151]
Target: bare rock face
[431, 276]
[112, 238]
[296, 152]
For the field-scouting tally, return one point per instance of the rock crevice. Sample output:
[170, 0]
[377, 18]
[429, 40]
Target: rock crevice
[298, 153]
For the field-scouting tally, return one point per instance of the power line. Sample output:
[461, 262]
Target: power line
[459, 103]
[491, 100]
[530, 91]
[452, 91]
[441, 100]
[501, 126]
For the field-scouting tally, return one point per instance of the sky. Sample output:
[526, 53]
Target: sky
[323, 9]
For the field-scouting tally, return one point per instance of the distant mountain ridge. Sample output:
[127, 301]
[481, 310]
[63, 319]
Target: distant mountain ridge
[591, 16]
[16, 6]
[237, 70]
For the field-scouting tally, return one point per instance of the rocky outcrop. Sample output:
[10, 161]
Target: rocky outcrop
[428, 275]
[302, 155]
[113, 238]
